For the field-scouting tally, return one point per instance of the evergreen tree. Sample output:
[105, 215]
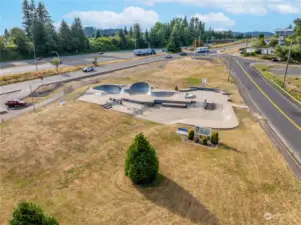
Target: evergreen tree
[78, 34]
[137, 35]
[123, 41]
[125, 31]
[31, 214]
[65, 37]
[42, 13]
[27, 17]
[6, 36]
[51, 37]
[146, 36]
[185, 22]
[97, 34]
[174, 44]
[131, 32]
[141, 164]
[191, 30]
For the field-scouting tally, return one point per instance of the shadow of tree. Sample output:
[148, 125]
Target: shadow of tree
[170, 195]
[227, 147]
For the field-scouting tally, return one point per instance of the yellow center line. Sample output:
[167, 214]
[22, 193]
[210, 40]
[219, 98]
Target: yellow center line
[267, 97]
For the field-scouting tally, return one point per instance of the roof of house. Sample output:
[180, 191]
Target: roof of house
[284, 30]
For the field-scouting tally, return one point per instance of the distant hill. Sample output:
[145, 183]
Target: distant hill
[254, 33]
[90, 31]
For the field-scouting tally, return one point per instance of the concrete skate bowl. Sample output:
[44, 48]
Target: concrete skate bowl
[163, 93]
[140, 88]
[109, 88]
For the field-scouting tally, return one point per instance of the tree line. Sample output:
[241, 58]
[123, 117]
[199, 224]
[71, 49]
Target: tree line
[39, 33]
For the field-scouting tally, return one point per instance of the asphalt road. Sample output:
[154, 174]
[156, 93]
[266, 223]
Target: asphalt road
[283, 116]
[9, 68]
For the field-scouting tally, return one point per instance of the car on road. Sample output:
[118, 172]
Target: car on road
[39, 58]
[100, 53]
[88, 69]
[15, 103]
[183, 54]
[168, 57]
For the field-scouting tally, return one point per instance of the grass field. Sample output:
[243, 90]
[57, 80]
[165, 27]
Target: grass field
[69, 159]
[292, 84]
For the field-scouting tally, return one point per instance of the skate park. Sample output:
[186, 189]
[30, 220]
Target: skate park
[207, 107]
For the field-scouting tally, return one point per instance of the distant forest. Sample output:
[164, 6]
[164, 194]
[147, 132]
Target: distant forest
[39, 33]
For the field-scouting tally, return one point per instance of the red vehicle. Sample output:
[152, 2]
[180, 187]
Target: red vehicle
[15, 103]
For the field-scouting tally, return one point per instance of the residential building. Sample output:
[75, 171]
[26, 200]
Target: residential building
[284, 32]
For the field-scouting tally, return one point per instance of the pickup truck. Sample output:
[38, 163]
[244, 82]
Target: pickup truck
[15, 103]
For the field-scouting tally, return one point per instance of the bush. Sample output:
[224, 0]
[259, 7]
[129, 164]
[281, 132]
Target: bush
[214, 138]
[31, 214]
[141, 163]
[190, 134]
[205, 140]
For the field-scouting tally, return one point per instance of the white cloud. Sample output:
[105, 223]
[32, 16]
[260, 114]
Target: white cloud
[254, 7]
[215, 19]
[234, 6]
[219, 29]
[109, 19]
[284, 8]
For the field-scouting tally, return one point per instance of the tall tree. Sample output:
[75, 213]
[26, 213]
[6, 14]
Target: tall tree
[125, 31]
[297, 30]
[146, 36]
[65, 37]
[6, 36]
[27, 18]
[42, 13]
[78, 34]
[137, 35]
[174, 44]
[185, 22]
[123, 41]
[97, 34]
[131, 32]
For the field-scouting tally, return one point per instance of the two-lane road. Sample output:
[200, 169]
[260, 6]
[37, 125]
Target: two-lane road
[281, 114]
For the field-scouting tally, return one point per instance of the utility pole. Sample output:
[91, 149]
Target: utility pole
[35, 56]
[230, 67]
[247, 43]
[288, 59]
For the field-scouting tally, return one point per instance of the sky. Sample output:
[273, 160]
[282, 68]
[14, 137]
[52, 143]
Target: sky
[235, 15]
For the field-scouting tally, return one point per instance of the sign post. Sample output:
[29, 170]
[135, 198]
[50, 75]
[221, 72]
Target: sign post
[203, 131]
[204, 82]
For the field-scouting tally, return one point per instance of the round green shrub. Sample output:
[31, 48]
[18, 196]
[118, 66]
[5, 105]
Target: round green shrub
[141, 164]
[31, 214]
[205, 140]
[190, 134]
[214, 138]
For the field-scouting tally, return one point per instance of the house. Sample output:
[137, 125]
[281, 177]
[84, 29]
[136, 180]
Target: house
[284, 32]
[267, 51]
[281, 42]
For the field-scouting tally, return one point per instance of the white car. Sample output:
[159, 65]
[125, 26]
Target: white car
[88, 69]
[168, 57]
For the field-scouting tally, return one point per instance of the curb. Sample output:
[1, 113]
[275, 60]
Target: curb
[9, 92]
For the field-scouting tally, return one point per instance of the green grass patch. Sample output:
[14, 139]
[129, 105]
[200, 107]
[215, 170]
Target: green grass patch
[193, 80]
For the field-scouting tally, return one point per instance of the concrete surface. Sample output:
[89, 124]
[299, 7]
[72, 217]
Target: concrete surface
[223, 117]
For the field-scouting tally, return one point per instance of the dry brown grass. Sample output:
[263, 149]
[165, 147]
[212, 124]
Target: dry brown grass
[70, 160]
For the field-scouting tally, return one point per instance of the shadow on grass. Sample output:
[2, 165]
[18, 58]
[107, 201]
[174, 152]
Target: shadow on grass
[170, 195]
[227, 147]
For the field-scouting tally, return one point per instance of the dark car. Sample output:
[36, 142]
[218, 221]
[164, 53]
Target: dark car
[168, 57]
[39, 58]
[88, 69]
[15, 103]
[183, 54]
[275, 60]
[100, 53]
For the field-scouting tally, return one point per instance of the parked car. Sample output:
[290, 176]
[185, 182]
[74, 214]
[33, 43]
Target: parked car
[168, 57]
[39, 58]
[100, 53]
[183, 54]
[15, 103]
[88, 69]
